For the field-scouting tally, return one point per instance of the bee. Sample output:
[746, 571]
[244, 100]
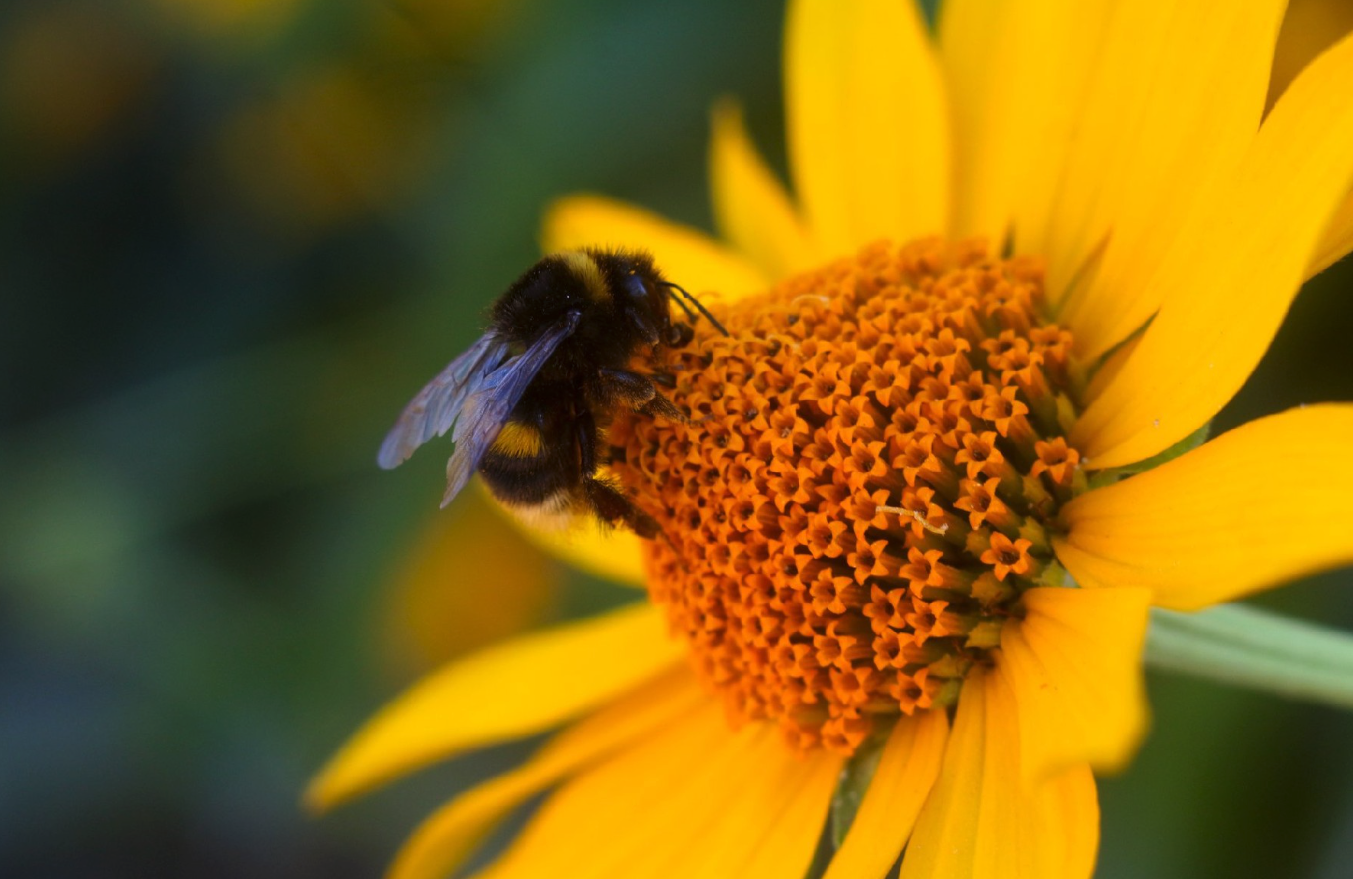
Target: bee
[528, 403]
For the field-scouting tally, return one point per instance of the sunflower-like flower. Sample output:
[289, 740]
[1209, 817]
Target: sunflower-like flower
[944, 463]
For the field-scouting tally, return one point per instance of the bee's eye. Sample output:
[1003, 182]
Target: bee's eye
[634, 285]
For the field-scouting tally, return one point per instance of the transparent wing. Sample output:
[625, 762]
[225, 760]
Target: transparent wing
[487, 408]
[436, 406]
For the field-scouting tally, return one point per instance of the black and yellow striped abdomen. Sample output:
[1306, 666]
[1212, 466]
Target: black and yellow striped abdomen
[533, 466]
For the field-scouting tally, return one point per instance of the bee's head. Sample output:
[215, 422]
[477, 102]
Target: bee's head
[643, 297]
[638, 293]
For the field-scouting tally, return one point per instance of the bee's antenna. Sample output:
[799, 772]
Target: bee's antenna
[679, 301]
[696, 302]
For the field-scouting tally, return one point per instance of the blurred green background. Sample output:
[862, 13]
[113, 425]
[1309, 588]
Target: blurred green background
[235, 236]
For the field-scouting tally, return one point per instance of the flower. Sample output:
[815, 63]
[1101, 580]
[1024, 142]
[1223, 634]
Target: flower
[426, 624]
[915, 503]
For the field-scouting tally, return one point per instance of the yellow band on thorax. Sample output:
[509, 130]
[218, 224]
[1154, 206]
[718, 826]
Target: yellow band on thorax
[585, 268]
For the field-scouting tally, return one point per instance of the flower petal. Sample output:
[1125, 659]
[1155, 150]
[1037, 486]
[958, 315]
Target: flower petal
[1067, 811]
[1309, 28]
[1260, 505]
[697, 799]
[984, 820]
[867, 121]
[751, 208]
[1227, 283]
[1337, 241]
[1178, 96]
[685, 255]
[616, 555]
[905, 774]
[521, 687]
[975, 804]
[1075, 664]
[445, 838]
[1017, 74]
[430, 622]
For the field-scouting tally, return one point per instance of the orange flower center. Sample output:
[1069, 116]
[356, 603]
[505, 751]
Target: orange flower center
[873, 465]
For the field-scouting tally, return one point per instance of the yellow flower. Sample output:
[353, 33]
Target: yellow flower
[427, 623]
[909, 448]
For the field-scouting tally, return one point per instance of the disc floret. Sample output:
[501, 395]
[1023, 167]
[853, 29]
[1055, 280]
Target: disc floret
[873, 466]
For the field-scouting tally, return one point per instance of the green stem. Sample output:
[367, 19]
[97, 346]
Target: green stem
[1252, 648]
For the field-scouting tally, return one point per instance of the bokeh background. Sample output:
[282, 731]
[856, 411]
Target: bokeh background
[235, 236]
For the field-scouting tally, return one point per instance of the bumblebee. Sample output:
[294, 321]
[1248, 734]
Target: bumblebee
[531, 399]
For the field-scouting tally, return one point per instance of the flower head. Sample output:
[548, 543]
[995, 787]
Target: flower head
[902, 512]
[836, 556]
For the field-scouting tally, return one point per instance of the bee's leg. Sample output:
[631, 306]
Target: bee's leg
[586, 427]
[679, 335]
[662, 407]
[638, 392]
[612, 507]
[608, 503]
[622, 386]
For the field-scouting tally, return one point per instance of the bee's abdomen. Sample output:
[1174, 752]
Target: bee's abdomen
[527, 466]
[519, 440]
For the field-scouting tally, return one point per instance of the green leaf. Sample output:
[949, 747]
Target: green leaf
[1252, 648]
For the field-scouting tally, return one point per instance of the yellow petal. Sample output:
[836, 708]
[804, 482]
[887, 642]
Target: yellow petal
[1075, 664]
[432, 617]
[1255, 507]
[1309, 28]
[975, 791]
[1067, 811]
[751, 208]
[444, 839]
[1337, 240]
[1016, 74]
[522, 687]
[984, 820]
[867, 122]
[616, 555]
[1176, 100]
[1109, 367]
[906, 772]
[685, 255]
[1227, 283]
[696, 799]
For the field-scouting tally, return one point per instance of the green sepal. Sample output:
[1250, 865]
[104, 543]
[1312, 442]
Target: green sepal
[1256, 649]
[1056, 576]
[851, 787]
[1187, 444]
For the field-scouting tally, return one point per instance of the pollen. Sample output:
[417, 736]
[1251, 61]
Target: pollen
[872, 468]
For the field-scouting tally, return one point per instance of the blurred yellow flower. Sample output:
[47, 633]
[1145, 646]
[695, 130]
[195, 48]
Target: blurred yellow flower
[241, 22]
[69, 74]
[330, 145]
[347, 135]
[911, 446]
[469, 579]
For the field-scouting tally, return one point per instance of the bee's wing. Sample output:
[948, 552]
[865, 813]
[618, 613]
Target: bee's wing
[488, 406]
[436, 406]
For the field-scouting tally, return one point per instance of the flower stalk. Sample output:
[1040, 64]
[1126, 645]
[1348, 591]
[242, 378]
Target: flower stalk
[1256, 649]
